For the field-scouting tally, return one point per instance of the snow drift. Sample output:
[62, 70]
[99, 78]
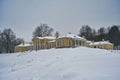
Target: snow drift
[61, 64]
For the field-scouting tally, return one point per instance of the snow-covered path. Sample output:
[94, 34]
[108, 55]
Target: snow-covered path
[61, 64]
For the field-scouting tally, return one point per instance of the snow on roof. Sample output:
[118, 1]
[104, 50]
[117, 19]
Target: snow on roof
[52, 41]
[89, 42]
[46, 37]
[73, 36]
[24, 45]
[100, 42]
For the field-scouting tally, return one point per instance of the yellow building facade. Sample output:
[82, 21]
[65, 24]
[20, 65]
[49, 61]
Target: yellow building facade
[102, 45]
[23, 47]
[69, 40]
[43, 43]
[66, 41]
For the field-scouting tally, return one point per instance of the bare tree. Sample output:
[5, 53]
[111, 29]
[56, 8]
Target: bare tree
[43, 30]
[8, 40]
[86, 31]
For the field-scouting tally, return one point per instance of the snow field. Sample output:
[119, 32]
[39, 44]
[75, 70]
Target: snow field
[61, 64]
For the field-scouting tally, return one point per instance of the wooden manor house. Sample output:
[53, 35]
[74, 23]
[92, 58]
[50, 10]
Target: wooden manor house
[67, 41]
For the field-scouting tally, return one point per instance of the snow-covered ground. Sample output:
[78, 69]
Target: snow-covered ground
[61, 64]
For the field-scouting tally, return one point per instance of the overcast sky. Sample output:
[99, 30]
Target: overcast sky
[23, 16]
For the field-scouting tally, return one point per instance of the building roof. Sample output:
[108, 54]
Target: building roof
[72, 36]
[100, 42]
[52, 41]
[89, 42]
[24, 45]
[46, 37]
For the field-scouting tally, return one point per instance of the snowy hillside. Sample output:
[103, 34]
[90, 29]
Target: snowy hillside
[61, 64]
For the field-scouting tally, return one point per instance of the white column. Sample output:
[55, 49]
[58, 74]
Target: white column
[56, 43]
[78, 42]
[37, 45]
[81, 43]
[51, 45]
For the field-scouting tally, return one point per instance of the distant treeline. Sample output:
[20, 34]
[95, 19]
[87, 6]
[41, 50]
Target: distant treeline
[111, 34]
[8, 39]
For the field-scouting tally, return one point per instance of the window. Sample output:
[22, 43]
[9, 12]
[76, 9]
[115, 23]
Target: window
[94, 46]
